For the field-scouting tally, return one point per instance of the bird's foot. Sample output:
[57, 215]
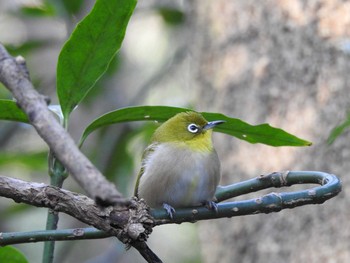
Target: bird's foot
[211, 205]
[169, 210]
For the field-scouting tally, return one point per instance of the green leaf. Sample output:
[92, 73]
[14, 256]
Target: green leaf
[338, 130]
[26, 47]
[11, 112]
[119, 163]
[45, 9]
[10, 254]
[89, 50]
[74, 6]
[31, 160]
[262, 133]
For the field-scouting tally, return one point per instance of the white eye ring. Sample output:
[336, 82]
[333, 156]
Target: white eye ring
[192, 128]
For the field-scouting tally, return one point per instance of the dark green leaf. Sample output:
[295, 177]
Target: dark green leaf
[10, 254]
[10, 111]
[72, 6]
[119, 163]
[26, 47]
[337, 131]
[89, 50]
[14, 209]
[172, 16]
[262, 133]
[141, 113]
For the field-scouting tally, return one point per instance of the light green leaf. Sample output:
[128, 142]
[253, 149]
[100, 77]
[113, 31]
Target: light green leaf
[89, 50]
[10, 254]
[338, 130]
[262, 133]
[30, 160]
[11, 112]
[45, 9]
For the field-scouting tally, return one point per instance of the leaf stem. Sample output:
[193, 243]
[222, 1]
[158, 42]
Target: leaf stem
[57, 176]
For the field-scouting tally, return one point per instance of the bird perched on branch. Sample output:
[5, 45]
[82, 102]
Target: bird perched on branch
[180, 168]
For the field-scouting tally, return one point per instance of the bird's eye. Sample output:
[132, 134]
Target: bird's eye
[193, 128]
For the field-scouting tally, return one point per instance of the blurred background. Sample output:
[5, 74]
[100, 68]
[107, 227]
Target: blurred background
[282, 62]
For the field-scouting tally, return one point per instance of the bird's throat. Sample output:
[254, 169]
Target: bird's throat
[201, 143]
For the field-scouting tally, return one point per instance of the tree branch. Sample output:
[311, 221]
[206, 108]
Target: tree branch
[128, 220]
[131, 221]
[84, 209]
[118, 221]
[14, 75]
[328, 186]
[131, 224]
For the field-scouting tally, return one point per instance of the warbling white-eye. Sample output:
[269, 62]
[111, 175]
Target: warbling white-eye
[180, 168]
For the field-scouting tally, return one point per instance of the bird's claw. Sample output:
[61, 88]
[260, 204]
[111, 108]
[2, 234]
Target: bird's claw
[169, 210]
[211, 205]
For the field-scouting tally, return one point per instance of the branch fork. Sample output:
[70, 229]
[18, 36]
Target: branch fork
[124, 223]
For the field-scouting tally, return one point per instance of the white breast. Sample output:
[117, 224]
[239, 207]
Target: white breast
[179, 177]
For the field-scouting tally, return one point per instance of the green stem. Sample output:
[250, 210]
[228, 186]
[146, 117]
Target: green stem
[57, 176]
[11, 238]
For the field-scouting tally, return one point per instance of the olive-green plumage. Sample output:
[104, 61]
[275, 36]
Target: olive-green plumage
[180, 167]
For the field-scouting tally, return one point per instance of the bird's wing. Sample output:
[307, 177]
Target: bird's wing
[147, 152]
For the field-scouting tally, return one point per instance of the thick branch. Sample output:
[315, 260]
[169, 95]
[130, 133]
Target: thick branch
[131, 224]
[79, 206]
[111, 220]
[14, 75]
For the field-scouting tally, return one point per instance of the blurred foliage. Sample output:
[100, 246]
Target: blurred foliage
[14, 210]
[10, 111]
[45, 9]
[27, 47]
[339, 129]
[10, 254]
[36, 161]
[172, 16]
[121, 163]
[72, 6]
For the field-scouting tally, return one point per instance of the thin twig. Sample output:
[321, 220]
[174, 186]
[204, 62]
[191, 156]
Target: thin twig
[10, 238]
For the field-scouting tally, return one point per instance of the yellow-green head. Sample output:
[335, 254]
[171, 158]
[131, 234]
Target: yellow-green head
[188, 129]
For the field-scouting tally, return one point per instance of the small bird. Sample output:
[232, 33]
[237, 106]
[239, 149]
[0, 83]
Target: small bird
[180, 168]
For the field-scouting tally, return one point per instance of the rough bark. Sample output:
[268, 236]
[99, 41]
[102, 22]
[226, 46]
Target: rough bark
[286, 63]
[119, 221]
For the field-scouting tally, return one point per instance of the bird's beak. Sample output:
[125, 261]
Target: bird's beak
[212, 124]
